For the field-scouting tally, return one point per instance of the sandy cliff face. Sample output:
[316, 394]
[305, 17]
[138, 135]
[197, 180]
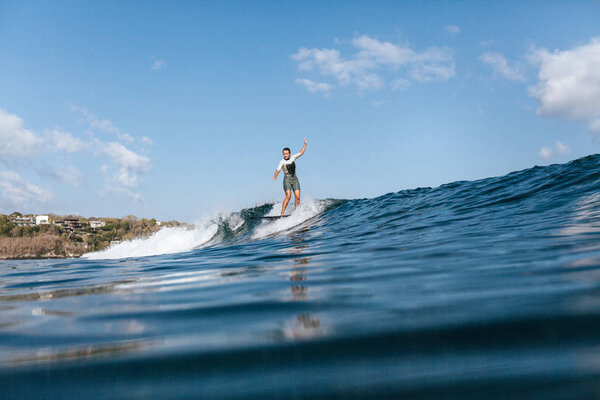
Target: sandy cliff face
[59, 241]
[42, 246]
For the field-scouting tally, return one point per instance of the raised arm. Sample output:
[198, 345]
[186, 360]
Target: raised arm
[303, 148]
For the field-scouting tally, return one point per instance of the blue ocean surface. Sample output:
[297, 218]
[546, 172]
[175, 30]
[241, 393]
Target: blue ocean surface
[482, 289]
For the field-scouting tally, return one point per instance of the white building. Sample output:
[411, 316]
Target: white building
[95, 223]
[42, 220]
[23, 221]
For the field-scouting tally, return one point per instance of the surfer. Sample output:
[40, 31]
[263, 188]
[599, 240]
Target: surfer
[290, 180]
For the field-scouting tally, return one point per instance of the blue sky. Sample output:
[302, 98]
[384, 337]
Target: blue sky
[176, 110]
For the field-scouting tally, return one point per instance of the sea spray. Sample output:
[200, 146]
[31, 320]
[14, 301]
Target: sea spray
[308, 209]
[222, 226]
[165, 241]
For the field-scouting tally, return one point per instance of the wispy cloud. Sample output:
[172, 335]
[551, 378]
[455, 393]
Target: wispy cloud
[314, 87]
[453, 29]
[430, 72]
[131, 165]
[17, 192]
[109, 191]
[487, 42]
[65, 141]
[158, 64]
[501, 67]
[569, 83]
[102, 125]
[44, 155]
[558, 150]
[15, 140]
[400, 84]
[366, 68]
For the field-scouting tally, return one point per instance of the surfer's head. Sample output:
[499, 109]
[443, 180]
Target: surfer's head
[286, 153]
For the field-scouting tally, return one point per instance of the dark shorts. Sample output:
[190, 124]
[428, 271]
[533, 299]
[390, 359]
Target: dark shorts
[291, 183]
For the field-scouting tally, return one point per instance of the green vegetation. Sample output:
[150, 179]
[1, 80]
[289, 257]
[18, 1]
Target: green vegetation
[63, 239]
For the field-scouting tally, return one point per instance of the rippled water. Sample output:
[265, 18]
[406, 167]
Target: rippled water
[484, 289]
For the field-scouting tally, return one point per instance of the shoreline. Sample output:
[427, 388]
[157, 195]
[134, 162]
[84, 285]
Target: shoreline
[37, 237]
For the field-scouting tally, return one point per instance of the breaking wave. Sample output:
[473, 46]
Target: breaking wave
[224, 227]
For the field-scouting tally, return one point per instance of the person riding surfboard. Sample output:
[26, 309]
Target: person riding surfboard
[290, 180]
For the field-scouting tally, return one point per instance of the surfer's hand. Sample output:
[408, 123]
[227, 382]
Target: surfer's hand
[274, 178]
[304, 140]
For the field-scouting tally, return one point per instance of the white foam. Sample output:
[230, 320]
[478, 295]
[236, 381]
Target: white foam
[165, 241]
[177, 240]
[308, 208]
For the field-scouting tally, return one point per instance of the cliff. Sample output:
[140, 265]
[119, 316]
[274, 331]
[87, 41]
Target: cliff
[69, 236]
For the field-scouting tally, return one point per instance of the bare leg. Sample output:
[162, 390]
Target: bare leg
[297, 198]
[288, 196]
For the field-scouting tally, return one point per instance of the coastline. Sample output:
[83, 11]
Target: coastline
[36, 237]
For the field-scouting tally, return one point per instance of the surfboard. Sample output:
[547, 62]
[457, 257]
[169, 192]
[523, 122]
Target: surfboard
[273, 217]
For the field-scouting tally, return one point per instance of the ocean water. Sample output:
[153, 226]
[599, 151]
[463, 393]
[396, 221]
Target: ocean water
[482, 289]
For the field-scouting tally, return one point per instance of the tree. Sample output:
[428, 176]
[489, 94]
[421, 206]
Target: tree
[6, 226]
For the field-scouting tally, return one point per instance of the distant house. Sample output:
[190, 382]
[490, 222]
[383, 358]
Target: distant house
[23, 221]
[115, 241]
[158, 223]
[69, 224]
[96, 223]
[42, 220]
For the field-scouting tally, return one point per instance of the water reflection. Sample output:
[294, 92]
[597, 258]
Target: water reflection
[299, 275]
[111, 287]
[586, 217]
[305, 325]
[82, 352]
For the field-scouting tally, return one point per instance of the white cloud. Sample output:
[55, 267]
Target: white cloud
[158, 64]
[400, 84]
[501, 67]
[123, 166]
[314, 87]
[430, 72]
[569, 83]
[562, 149]
[366, 67]
[131, 165]
[559, 149]
[329, 62]
[546, 152]
[64, 141]
[102, 125]
[121, 192]
[17, 192]
[373, 52]
[15, 140]
[453, 29]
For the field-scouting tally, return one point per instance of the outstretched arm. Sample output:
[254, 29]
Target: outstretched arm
[275, 176]
[303, 148]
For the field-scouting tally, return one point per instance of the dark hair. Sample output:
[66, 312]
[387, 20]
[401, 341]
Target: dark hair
[286, 148]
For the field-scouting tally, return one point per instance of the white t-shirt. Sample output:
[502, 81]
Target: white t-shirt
[287, 168]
